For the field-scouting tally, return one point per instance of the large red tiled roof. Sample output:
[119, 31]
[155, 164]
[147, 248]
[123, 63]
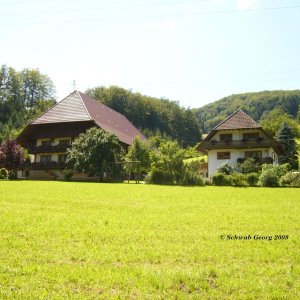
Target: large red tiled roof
[238, 120]
[80, 107]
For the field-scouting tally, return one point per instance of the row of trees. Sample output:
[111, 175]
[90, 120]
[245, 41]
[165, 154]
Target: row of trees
[23, 96]
[96, 153]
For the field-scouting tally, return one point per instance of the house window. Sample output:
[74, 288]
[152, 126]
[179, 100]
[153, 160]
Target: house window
[226, 137]
[65, 142]
[46, 158]
[62, 158]
[250, 136]
[223, 155]
[253, 154]
[46, 143]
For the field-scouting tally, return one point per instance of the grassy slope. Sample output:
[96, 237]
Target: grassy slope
[86, 240]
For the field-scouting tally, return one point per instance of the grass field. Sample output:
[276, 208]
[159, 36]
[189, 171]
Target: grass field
[63, 240]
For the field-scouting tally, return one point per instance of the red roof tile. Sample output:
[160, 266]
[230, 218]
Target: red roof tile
[238, 120]
[80, 107]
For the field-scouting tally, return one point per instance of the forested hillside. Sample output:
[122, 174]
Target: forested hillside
[257, 105]
[27, 93]
[151, 114]
[23, 96]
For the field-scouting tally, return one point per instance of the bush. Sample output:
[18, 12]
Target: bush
[249, 166]
[207, 182]
[290, 179]
[159, 177]
[252, 179]
[193, 166]
[191, 178]
[220, 179]
[68, 174]
[282, 169]
[238, 179]
[3, 173]
[226, 169]
[12, 175]
[268, 177]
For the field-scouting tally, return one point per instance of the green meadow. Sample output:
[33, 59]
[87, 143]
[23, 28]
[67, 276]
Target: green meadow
[64, 240]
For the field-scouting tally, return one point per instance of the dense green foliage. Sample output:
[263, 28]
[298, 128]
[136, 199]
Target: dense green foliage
[286, 137]
[254, 104]
[166, 163]
[93, 151]
[151, 114]
[273, 121]
[139, 151]
[65, 240]
[290, 179]
[23, 96]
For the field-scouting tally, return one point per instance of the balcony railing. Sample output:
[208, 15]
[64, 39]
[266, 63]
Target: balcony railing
[49, 165]
[49, 148]
[258, 143]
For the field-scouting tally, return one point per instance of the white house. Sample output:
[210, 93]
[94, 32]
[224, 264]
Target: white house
[237, 138]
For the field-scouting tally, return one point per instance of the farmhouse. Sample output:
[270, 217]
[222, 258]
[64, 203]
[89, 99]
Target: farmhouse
[237, 138]
[49, 136]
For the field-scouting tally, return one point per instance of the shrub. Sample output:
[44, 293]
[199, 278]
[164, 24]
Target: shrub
[159, 177]
[290, 179]
[282, 169]
[3, 173]
[226, 169]
[220, 179]
[207, 181]
[249, 166]
[193, 166]
[68, 174]
[12, 175]
[191, 178]
[252, 179]
[268, 177]
[238, 179]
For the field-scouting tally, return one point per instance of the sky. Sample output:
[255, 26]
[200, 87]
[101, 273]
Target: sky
[192, 51]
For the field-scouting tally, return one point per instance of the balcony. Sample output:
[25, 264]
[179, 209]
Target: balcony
[49, 149]
[50, 165]
[257, 143]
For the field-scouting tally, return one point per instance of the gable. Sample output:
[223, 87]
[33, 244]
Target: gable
[238, 120]
[70, 109]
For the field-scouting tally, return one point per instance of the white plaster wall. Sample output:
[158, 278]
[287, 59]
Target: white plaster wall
[214, 164]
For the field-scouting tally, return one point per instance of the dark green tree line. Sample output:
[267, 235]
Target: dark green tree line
[151, 115]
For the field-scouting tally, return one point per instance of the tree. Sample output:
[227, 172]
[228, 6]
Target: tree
[168, 160]
[139, 151]
[23, 96]
[36, 86]
[273, 121]
[93, 151]
[286, 137]
[11, 157]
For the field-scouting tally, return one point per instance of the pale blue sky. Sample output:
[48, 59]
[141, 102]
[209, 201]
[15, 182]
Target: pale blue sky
[194, 52]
